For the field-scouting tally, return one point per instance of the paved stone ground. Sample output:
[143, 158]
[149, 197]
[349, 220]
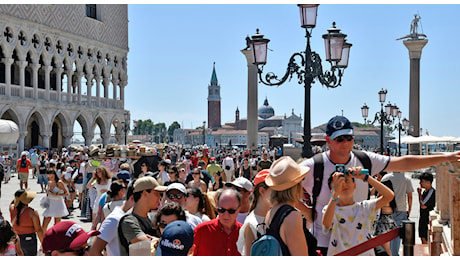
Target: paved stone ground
[12, 186]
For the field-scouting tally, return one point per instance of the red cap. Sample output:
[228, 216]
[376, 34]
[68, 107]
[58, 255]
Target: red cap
[65, 235]
[260, 177]
[213, 158]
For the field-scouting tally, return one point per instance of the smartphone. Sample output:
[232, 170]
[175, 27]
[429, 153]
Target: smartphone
[340, 168]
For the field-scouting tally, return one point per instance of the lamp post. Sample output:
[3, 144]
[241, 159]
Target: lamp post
[307, 65]
[401, 128]
[384, 116]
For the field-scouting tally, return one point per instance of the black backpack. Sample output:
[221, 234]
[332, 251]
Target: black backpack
[319, 173]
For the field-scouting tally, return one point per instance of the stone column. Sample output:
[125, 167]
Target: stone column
[89, 83]
[442, 196]
[69, 86]
[252, 121]
[105, 138]
[46, 139]
[8, 62]
[105, 83]
[67, 139]
[58, 83]
[123, 84]
[47, 70]
[415, 52]
[22, 67]
[115, 85]
[454, 192]
[79, 75]
[88, 138]
[35, 67]
[22, 136]
[98, 90]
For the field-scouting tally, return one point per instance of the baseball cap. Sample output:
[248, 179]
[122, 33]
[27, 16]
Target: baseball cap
[260, 177]
[148, 183]
[338, 126]
[240, 182]
[177, 239]
[124, 175]
[177, 186]
[66, 235]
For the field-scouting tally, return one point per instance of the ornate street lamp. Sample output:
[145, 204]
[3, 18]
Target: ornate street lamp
[386, 116]
[401, 128]
[307, 65]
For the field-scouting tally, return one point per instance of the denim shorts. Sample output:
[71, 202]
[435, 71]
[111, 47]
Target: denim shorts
[42, 179]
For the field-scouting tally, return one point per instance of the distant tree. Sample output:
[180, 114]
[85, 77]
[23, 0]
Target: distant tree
[175, 125]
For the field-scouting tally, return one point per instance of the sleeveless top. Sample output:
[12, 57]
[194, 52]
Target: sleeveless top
[246, 172]
[26, 225]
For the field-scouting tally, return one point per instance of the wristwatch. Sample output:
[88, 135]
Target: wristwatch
[366, 177]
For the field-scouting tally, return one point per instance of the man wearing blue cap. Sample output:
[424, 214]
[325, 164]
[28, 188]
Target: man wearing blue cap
[340, 139]
[177, 239]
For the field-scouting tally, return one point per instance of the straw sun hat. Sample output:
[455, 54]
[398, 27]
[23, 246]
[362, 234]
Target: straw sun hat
[25, 198]
[285, 173]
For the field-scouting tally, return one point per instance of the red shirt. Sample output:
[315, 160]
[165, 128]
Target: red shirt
[211, 240]
[26, 169]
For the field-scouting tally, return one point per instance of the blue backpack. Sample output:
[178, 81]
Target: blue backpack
[268, 244]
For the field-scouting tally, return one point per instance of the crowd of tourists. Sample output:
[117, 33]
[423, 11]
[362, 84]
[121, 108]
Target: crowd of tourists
[206, 202]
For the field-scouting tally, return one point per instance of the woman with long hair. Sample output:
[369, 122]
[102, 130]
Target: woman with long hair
[197, 181]
[259, 207]
[26, 221]
[218, 181]
[198, 204]
[55, 192]
[101, 180]
[284, 180]
[173, 174]
[116, 196]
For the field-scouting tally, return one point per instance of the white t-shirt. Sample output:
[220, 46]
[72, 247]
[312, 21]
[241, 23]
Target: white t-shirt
[351, 225]
[109, 207]
[252, 220]
[379, 163]
[192, 220]
[109, 231]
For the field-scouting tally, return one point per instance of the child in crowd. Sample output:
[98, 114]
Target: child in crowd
[350, 222]
[427, 201]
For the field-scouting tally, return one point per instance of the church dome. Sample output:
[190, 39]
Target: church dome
[266, 111]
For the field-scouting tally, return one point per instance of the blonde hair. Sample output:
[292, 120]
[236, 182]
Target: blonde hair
[292, 194]
[124, 166]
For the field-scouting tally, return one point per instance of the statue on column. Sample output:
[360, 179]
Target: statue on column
[414, 35]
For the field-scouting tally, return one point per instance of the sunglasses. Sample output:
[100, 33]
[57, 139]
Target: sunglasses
[171, 172]
[343, 138]
[143, 165]
[172, 196]
[222, 211]
[195, 173]
[161, 225]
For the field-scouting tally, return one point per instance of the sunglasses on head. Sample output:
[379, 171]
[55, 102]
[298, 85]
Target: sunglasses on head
[343, 138]
[171, 196]
[222, 211]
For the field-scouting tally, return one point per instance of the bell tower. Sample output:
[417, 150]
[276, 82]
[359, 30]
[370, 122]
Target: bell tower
[214, 101]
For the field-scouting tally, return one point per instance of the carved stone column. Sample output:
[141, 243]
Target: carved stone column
[115, 85]
[8, 62]
[46, 139]
[47, 70]
[89, 83]
[58, 83]
[22, 69]
[252, 123]
[69, 86]
[98, 89]
[22, 136]
[35, 67]
[88, 138]
[105, 138]
[79, 75]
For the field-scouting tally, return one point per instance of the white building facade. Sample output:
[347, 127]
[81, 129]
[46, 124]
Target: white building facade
[61, 64]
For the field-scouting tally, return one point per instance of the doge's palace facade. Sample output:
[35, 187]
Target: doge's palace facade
[60, 64]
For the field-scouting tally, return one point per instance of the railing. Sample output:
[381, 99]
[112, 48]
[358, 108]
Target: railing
[444, 235]
[64, 97]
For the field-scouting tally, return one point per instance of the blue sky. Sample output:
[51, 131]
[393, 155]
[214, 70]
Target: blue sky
[173, 47]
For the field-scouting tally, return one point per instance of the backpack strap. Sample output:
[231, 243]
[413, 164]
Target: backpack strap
[364, 159]
[275, 225]
[123, 242]
[318, 173]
